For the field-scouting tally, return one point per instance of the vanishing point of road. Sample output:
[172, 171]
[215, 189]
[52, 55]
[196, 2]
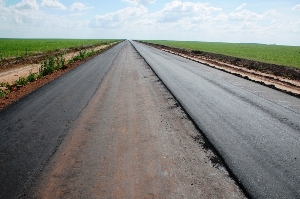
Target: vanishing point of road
[111, 129]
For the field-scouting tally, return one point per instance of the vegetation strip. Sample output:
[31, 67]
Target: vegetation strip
[39, 51]
[273, 54]
[269, 76]
[27, 47]
[276, 70]
[50, 69]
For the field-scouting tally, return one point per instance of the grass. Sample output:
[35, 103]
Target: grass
[274, 54]
[24, 47]
[47, 67]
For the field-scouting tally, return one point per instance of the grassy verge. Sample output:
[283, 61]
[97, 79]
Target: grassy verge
[47, 67]
[27, 47]
[273, 54]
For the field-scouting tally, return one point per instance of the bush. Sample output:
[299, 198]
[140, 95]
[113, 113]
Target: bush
[3, 92]
[60, 62]
[21, 81]
[31, 77]
[47, 67]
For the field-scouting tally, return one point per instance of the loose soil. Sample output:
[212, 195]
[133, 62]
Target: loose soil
[21, 69]
[283, 78]
[14, 71]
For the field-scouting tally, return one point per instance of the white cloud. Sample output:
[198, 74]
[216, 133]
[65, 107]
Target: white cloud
[77, 6]
[27, 16]
[118, 18]
[297, 7]
[241, 6]
[2, 3]
[55, 4]
[140, 2]
[178, 19]
[26, 5]
[247, 15]
[79, 14]
[177, 10]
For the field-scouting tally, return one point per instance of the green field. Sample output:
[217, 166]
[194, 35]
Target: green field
[274, 54]
[21, 47]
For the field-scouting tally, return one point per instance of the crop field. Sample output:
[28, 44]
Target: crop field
[274, 54]
[21, 47]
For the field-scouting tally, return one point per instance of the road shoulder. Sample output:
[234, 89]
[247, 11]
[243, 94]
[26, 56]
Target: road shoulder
[133, 141]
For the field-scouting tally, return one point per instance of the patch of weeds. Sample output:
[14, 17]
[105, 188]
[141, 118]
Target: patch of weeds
[60, 62]
[260, 68]
[4, 93]
[276, 73]
[287, 76]
[4, 84]
[47, 67]
[21, 81]
[252, 65]
[82, 55]
[31, 77]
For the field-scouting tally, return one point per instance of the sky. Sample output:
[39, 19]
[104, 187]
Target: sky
[237, 21]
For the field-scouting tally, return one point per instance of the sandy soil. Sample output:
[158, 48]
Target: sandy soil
[133, 141]
[14, 73]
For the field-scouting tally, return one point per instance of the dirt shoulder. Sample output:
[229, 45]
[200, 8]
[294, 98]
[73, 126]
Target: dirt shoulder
[133, 140]
[28, 65]
[10, 74]
[282, 78]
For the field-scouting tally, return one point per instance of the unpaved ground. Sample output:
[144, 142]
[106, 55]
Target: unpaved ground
[283, 78]
[133, 141]
[15, 72]
[12, 74]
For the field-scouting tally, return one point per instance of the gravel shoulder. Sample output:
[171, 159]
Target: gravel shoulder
[133, 140]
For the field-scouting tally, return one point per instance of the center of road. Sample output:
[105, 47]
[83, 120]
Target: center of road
[132, 141]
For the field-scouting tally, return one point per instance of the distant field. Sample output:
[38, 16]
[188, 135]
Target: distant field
[21, 47]
[274, 54]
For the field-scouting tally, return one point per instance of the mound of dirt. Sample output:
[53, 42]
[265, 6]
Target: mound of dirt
[19, 92]
[277, 70]
[15, 62]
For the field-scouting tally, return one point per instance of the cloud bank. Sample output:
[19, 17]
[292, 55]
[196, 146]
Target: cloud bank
[178, 20]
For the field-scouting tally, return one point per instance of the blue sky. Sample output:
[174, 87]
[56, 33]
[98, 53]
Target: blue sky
[255, 21]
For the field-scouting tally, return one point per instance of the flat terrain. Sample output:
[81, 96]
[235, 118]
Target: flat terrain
[110, 128]
[254, 128]
[132, 141]
[32, 128]
[23, 47]
[273, 54]
[10, 75]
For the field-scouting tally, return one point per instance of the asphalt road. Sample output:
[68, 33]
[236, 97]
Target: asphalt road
[254, 128]
[131, 141]
[31, 129]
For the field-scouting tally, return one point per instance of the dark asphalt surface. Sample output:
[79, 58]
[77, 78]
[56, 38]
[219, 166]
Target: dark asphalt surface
[254, 128]
[31, 129]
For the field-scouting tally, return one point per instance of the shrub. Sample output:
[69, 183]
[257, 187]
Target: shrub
[3, 92]
[31, 77]
[47, 67]
[21, 81]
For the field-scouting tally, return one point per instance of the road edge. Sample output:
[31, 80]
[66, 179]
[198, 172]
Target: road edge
[207, 143]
